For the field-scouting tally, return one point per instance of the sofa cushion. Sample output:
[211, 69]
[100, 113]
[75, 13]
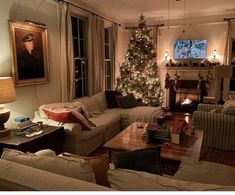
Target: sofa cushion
[127, 101]
[111, 98]
[129, 180]
[92, 105]
[205, 172]
[147, 160]
[18, 177]
[75, 169]
[101, 99]
[99, 164]
[106, 119]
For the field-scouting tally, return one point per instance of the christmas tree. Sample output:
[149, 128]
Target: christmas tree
[139, 71]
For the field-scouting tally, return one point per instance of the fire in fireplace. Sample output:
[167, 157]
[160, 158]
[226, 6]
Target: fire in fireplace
[186, 101]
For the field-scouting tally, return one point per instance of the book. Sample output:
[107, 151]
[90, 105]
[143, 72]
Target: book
[156, 131]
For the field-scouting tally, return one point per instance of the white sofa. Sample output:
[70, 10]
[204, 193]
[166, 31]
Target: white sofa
[108, 122]
[44, 172]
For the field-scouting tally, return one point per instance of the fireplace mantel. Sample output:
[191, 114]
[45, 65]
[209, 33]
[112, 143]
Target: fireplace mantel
[189, 68]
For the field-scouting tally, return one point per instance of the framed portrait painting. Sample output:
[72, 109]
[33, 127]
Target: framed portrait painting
[30, 53]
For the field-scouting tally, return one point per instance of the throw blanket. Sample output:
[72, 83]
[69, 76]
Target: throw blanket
[145, 113]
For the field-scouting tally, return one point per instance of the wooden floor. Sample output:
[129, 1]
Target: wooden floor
[207, 154]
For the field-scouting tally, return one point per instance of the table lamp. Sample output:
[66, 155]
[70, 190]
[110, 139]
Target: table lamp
[221, 72]
[7, 95]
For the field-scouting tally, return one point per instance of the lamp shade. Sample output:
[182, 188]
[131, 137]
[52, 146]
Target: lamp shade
[7, 90]
[224, 71]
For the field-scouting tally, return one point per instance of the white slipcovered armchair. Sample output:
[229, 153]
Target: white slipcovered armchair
[218, 124]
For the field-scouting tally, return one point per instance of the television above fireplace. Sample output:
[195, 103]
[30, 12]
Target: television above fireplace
[190, 49]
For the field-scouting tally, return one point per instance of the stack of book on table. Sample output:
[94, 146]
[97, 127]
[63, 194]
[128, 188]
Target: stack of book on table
[158, 132]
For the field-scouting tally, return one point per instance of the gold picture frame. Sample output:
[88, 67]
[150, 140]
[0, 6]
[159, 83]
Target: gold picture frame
[30, 53]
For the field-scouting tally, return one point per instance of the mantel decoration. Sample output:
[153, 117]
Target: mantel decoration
[139, 71]
[30, 53]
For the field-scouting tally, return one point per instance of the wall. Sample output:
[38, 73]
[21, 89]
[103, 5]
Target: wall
[29, 98]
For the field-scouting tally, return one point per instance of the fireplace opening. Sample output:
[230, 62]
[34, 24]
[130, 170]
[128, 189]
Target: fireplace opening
[185, 95]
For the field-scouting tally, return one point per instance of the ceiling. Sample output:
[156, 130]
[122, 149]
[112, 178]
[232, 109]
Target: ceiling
[128, 11]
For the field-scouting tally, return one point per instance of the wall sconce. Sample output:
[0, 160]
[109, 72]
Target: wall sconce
[214, 53]
[166, 55]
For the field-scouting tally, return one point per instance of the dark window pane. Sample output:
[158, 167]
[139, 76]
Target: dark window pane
[233, 69]
[82, 49]
[232, 85]
[75, 47]
[108, 68]
[108, 83]
[233, 46]
[81, 29]
[78, 69]
[106, 52]
[79, 89]
[106, 35]
[74, 26]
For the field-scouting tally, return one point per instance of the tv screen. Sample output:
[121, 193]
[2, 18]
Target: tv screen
[190, 49]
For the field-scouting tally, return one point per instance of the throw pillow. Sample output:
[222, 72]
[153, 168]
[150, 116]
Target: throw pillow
[129, 180]
[70, 168]
[99, 164]
[45, 152]
[229, 107]
[68, 117]
[205, 172]
[101, 99]
[127, 101]
[111, 98]
[147, 160]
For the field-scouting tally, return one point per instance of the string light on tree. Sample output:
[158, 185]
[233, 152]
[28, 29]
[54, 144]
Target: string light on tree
[139, 71]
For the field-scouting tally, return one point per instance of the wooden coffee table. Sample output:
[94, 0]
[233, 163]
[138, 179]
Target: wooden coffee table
[132, 138]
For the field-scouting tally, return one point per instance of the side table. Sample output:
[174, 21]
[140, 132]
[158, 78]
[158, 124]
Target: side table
[51, 138]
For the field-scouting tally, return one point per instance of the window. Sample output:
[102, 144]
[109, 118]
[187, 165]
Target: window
[232, 80]
[108, 59]
[79, 31]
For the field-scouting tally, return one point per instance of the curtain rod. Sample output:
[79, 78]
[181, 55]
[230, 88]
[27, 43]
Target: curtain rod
[135, 27]
[89, 12]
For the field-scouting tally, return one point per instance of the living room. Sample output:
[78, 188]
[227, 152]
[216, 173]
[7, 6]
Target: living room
[173, 19]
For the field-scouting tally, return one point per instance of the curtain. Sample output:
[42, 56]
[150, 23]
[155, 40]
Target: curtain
[96, 65]
[66, 54]
[114, 35]
[226, 60]
[227, 44]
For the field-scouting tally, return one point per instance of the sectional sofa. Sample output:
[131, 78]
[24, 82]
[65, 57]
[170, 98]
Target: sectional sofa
[103, 122]
[45, 172]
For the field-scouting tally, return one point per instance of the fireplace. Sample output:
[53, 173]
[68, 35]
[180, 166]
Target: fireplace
[185, 95]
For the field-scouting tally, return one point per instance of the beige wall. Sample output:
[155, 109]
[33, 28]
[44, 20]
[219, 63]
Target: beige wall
[29, 98]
